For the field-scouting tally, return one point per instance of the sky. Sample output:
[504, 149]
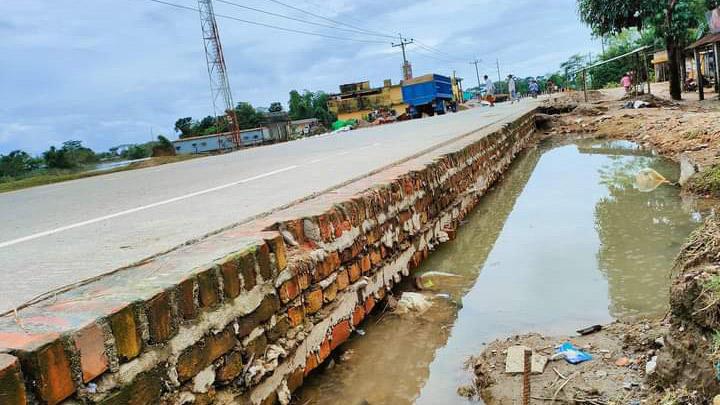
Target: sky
[112, 72]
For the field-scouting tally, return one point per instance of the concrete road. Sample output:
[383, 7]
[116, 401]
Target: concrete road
[58, 234]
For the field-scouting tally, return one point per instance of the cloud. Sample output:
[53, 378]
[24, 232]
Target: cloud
[112, 72]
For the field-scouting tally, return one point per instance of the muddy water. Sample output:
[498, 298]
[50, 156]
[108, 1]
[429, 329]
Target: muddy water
[564, 241]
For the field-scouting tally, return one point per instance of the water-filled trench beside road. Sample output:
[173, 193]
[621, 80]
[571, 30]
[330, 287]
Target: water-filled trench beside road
[564, 240]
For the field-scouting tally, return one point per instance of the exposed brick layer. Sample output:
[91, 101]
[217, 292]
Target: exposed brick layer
[256, 308]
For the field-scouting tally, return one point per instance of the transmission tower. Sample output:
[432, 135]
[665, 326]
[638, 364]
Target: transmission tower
[217, 70]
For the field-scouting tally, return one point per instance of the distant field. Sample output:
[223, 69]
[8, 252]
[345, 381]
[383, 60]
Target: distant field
[50, 178]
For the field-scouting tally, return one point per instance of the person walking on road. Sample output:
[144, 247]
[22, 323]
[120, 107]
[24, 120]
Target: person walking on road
[489, 91]
[512, 89]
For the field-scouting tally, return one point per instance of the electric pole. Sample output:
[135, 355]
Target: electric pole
[217, 70]
[477, 73]
[497, 61]
[407, 68]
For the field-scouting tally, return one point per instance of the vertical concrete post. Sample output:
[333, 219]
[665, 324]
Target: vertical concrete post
[716, 52]
[698, 74]
[527, 369]
[584, 79]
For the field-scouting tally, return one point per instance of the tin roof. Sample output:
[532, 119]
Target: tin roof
[192, 138]
[706, 40]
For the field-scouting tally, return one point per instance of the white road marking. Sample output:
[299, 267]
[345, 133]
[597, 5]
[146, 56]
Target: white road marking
[142, 208]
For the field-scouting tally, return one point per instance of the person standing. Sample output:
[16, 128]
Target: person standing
[489, 91]
[512, 89]
[626, 82]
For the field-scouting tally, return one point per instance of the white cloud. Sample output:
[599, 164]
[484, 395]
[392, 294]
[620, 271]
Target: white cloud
[110, 71]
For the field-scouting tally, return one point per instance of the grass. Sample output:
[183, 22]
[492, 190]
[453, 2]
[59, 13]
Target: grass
[58, 177]
[706, 182]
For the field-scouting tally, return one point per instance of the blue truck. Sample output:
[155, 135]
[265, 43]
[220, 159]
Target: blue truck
[429, 94]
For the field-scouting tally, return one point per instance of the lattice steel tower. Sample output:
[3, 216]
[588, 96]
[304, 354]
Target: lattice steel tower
[217, 70]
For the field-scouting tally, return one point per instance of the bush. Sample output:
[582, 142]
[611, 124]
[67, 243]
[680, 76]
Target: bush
[17, 163]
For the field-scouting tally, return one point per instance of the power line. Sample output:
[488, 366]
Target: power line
[437, 51]
[329, 19]
[297, 19]
[317, 34]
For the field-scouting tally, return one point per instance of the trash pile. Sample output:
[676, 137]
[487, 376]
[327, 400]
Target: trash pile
[600, 365]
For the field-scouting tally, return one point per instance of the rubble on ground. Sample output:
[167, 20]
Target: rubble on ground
[622, 355]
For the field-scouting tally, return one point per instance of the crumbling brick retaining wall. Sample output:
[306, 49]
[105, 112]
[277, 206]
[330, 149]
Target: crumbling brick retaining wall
[249, 312]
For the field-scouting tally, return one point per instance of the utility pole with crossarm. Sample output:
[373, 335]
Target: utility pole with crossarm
[407, 67]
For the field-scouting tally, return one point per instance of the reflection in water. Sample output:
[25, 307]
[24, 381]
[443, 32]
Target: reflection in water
[564, 241]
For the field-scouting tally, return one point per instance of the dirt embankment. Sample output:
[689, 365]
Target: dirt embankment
[671, 361]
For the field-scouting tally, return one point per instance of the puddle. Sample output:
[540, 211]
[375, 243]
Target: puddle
[564, 241]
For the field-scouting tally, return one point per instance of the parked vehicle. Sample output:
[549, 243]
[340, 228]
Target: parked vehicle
[429, 94]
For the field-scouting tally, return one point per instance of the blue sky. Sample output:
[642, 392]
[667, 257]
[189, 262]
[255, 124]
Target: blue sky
[111, 72]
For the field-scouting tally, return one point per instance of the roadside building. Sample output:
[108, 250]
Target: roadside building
[303, 127]
[661, 65]
[278, 124]
[701, 57]
[219, 142]
[359, 100]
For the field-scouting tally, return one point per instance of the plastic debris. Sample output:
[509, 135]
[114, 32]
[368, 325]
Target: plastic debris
[589, 330]
[572, 354]
[413, 302]
[651, 366]
[648, 180]
[432, 279]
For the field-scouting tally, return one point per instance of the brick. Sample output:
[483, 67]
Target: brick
[295, 379]
[330, 292]
[323, 270]
[280, 329]
[199, 356]
[231, 368]
[145, 389]
[230, 271]
[267, 308]
[128, 342]
[365, 264]
[358, 315]
[160, 319]
[12, 385]
[90, 343]
[49, 369]
[313, 300]
[247, 270]
[369, 304]
[303, 281]
[262, 255]
[311, 363]
[340, 334]
[277, 247]
[187, 306]
[296, 315]
[375, 256]
[208, 288]
[342, 279]
[354, 272]
[255, 348]
[289, 290]
[324, 350]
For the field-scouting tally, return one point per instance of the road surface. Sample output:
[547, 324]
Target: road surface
[59, 234]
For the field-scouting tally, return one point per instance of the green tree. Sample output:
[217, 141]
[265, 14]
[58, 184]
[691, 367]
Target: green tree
[310, 105]
[72, 155]
[248, 117]
[275, 107]
[672, 20]
[184, 126]
[17, 163]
